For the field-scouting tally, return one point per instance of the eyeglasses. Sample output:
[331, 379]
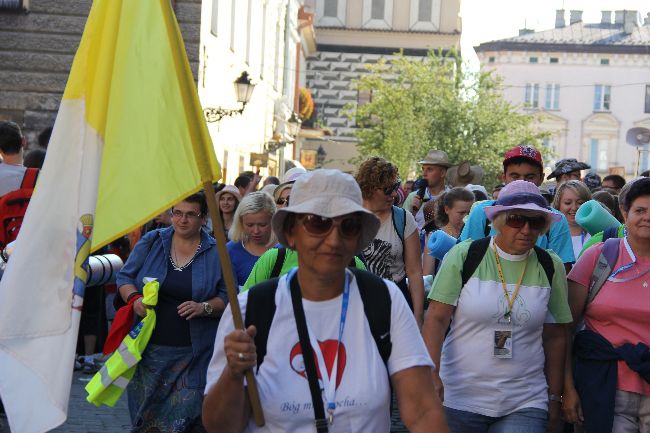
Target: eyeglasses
[349, 226]
[190, 215]
[281, 200]
[518, 221]
[389, 190]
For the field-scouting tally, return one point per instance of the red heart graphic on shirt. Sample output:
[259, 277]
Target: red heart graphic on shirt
[328, 348]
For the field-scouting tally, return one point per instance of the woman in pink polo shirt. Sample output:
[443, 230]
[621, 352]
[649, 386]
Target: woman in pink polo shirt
[609, 389]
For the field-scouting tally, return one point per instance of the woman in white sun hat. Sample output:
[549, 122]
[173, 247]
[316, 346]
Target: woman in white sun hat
[333, 323]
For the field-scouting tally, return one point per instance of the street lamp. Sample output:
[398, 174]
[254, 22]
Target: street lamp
[243, 89]
[320, 156]
[293, 124]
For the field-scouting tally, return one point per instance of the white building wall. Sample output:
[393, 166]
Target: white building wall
[577, 74]
[247, 35]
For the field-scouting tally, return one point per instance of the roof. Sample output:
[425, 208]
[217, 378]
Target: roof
[578, 37]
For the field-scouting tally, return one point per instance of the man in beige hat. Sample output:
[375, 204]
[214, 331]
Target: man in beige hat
[434, 170]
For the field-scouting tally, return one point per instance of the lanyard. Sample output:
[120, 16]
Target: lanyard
[329, 381]
[627, 266]
[510, 300]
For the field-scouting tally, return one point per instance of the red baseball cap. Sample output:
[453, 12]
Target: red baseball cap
[527, 152]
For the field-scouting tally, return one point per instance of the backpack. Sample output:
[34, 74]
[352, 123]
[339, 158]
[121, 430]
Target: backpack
[478, 248]
[260, 309]
[606, 261]
[610, 232]
[399, 222]
[13, 206]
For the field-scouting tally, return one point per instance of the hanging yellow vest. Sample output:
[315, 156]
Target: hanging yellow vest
[111, 380]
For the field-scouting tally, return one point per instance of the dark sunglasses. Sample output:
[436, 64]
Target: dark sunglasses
[518, 221]
[391, 189]
[349, 226]
[282, 201]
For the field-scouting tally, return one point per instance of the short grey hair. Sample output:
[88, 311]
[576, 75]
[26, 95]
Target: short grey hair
[253, 202]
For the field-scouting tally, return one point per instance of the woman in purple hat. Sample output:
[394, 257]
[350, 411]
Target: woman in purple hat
[504, 301]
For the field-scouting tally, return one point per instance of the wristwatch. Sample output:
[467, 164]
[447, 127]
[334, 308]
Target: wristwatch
[207, 308]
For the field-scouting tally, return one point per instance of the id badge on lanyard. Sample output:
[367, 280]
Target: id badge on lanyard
[502, 341]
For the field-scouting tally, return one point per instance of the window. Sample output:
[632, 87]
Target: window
[554, 60]
[598, 155]
[552, 97]
[491, 59]
[233, 24]
[331, 8]
[647, 98]
[214, 24]
[532, 60]
[378, 14]
[331, 13]
[13, 5]
[531, 97]
[604, 62]
[425, 15]
[263, 50]
[602, 97]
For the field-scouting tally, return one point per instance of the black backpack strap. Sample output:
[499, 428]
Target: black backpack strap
[475, 253]
[308, 358]
[260, 309]
[546, 261]
[279, 261]
[487, 229]
[376, 305]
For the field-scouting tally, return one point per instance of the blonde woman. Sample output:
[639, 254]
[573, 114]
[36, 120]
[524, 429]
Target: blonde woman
[251, 234]
[569, 196]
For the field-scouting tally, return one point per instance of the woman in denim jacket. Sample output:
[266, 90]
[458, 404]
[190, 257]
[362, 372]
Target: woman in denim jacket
[166, 392]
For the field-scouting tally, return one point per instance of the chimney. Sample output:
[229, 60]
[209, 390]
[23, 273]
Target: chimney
[575, 17]
[559, 18]
[619, 17]
[606, 17]
[631, 21]
[523, 32]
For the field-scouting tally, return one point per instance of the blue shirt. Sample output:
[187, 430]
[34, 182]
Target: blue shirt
[242, 261]
[150, 258]
[558, 238]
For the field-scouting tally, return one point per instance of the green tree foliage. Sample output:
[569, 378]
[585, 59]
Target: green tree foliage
[433, 103]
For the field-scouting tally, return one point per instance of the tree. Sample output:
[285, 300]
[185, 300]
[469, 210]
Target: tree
[419, 104]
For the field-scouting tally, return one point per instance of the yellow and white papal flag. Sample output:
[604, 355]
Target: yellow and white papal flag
[129, 141]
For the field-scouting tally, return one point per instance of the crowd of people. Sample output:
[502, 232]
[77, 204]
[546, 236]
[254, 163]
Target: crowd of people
[523, 308]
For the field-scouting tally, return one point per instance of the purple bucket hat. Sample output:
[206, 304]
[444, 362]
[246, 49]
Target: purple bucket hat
[520, 195]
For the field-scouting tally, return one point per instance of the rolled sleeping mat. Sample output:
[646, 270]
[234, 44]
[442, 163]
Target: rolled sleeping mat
[440, 243]
[594, 218]
[102, 269]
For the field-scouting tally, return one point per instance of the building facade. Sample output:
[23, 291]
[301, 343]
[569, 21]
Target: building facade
[354, 33]
[587, 84]
[269, 40]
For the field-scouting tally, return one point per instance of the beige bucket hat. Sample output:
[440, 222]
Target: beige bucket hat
[437, 157]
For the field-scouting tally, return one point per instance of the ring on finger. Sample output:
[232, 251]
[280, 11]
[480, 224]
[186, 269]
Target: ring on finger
[241, 356]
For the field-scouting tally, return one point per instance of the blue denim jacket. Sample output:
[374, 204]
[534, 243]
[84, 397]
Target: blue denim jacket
[150, 257]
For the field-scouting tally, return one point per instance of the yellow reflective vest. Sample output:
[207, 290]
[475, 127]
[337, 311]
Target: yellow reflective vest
[111, 380]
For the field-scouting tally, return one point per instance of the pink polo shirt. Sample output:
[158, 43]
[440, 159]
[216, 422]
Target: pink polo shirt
[621, 310]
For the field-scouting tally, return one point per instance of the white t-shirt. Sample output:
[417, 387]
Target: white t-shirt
[11, 176]
[578, 242]
[384, 255]
[363, 395]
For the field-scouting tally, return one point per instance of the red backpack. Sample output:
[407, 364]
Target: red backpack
[13, 206]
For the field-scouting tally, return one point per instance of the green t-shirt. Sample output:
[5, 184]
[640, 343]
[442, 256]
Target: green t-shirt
[264, 266]
[598, 237]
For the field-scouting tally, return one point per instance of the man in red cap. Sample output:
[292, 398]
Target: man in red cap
[522, 163]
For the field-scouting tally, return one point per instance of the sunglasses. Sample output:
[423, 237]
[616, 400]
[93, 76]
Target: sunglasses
[282, 201]
[518, 221]
[349, 226]
[391, 189]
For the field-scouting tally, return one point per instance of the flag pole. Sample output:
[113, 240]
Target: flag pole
[229, 278]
